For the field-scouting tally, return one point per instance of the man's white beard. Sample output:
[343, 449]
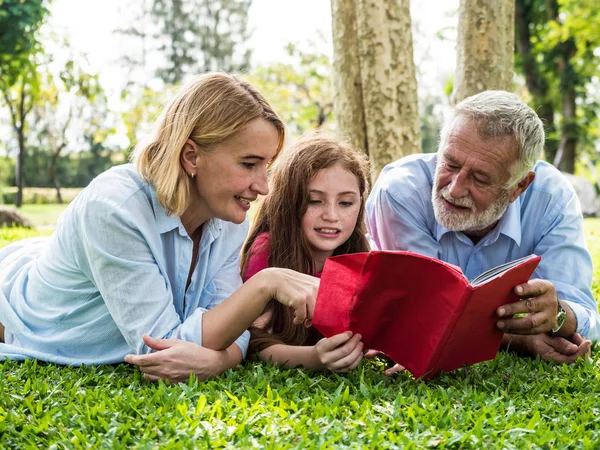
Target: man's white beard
[467, 220]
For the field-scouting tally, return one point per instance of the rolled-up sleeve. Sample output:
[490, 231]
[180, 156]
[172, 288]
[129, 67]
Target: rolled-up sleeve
[120, 262]
[567, 263]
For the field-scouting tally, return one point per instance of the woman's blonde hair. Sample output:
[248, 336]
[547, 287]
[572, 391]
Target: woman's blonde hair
[208, 110]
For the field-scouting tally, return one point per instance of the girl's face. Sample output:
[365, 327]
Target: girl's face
[234, 173]
[333, 207]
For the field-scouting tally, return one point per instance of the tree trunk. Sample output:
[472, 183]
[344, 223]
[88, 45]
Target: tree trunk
[565, 156]
[52, 173]
[20, 166]
[348, 94]
[375, 73]
[485, 47]
[537, 84]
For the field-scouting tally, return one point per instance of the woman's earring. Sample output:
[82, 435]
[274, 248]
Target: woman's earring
[192, 175]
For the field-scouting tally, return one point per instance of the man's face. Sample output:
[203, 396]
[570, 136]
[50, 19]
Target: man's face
[469, 192]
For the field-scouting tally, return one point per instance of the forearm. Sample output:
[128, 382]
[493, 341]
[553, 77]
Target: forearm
[232, 357]
[223, 324]
[292, 356]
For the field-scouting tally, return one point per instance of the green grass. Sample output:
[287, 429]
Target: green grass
[510, 403]
[44, 216]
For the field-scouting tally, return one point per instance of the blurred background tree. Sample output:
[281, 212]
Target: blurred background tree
[557, 53]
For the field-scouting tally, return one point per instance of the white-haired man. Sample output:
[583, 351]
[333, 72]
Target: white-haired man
[484, 199]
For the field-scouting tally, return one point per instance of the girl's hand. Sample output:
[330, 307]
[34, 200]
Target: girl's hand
[294, 290]
[340, 353]
[369, 354]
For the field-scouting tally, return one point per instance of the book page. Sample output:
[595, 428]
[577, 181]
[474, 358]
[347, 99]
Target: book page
[498, 270]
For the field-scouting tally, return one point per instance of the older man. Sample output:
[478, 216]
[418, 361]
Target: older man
[482, 200]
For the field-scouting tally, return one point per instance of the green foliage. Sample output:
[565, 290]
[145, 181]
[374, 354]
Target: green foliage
[300, 91]
[39, 196]
[557, 42]
[19, 22]
[508, 403]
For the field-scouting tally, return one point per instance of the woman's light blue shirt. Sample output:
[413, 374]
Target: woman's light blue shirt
[115, 268]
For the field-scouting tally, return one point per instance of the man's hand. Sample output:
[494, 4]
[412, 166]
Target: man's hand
[340, 353]
[548, 347]
[176, 359]
[390, 370]
[539, 301]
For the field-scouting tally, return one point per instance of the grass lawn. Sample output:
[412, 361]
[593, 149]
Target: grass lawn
[506, 403]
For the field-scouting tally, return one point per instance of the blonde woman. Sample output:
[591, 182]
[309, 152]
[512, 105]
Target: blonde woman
[153, 247]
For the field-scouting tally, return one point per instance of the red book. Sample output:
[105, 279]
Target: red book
[419, 311]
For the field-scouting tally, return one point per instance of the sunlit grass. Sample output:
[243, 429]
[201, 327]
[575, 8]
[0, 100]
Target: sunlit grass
[508, 403]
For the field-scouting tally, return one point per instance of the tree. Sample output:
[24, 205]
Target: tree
[484, 48]
[62, 97]
[19, 23]
[374, 77]
[300, 91]
[196, 36]
[556, 51]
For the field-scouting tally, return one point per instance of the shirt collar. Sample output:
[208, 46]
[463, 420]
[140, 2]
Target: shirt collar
[166, 223]
[509, 225]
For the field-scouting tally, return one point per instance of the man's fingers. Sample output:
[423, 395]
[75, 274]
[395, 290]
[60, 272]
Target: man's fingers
[532, 324]
[577, 339]
[533, 288]
[561, 345]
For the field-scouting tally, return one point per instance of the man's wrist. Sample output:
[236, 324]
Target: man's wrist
[569, 326]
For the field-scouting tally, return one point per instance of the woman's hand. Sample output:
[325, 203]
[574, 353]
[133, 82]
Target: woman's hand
[176, 359]
[294, 290]
[340, 353]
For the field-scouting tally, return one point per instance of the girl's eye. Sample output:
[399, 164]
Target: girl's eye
[346, 204]
[248, 165]
[314, 202]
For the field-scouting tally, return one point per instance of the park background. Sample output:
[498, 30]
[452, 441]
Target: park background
[81, 82]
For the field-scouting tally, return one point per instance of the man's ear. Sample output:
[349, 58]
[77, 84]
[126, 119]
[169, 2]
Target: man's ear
[188, 157]
[522, 186]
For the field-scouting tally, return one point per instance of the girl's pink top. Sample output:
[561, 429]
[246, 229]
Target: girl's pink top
[259, 256]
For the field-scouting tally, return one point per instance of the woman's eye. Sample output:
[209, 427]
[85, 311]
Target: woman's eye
[248, 165]
[314, 202]
[346, 204]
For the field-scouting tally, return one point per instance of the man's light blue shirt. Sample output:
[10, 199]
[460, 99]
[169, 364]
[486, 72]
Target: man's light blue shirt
[116, 268]
[546, 220]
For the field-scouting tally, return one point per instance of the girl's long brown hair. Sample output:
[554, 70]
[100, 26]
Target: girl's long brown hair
[280, 215]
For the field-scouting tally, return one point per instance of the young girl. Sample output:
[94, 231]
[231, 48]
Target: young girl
[315, 210]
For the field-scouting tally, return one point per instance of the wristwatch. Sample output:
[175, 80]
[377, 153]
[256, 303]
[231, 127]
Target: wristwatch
[561, 316]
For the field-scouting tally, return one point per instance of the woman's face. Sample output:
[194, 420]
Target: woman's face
[234, 172]
[333, 206]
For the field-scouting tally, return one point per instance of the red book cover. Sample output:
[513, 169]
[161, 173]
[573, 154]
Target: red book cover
[421, 312]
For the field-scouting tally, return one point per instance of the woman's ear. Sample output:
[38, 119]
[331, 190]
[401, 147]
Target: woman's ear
[188, 158]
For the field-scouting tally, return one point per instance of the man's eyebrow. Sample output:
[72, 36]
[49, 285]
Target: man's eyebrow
[451, 159]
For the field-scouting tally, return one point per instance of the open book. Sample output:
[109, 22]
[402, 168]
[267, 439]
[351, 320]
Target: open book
[421, 312]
